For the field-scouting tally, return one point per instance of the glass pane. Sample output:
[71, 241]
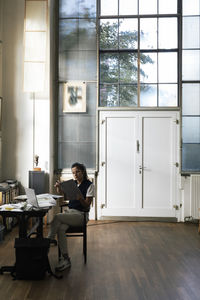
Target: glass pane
[68, 35]
[109, 95]
[128, 33]
[109, 67]
[76, 8]
[191, 7]
[128, 67]
[167, 28]
[36, 15]
[148, 95]
[191, 129]
[78, 65]
[109, 7]
[167, 95]
[191, 62]
[128, 95]
[68, 153]
[35, 46]
[147, 7]
[87, 8]
[148, 67]
[86, 128]
[148, 33]
[191, 32]
[167, 65]
[109, 34]
[168, 7]
[190, 157]
[191, 99]
[87, 34]
[127, 7]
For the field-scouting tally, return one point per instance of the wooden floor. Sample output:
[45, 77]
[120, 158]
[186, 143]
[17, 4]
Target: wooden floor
[126, 260]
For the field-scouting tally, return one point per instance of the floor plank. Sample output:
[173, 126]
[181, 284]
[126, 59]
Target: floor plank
[126, 260]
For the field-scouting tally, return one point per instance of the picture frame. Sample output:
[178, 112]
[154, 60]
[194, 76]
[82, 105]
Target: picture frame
[74, 97]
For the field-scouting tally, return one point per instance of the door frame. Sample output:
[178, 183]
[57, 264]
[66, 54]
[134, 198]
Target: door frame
[101, 178]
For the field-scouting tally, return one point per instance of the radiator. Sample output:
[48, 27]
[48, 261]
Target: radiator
[195, 195]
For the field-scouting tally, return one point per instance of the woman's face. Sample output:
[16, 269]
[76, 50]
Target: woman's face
[78, 174]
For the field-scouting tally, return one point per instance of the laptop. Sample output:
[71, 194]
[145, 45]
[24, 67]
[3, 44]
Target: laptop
[32, 199]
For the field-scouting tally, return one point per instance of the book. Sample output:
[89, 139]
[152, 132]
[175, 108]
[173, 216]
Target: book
[70, 190]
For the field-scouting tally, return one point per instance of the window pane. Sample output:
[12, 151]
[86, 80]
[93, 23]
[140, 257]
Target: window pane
[109, 95]
[167, 28]
[68, 35]
[191, 7]
[76, 8]
[167, 64]
[128, 67]
[191, 99]
[87, 34]
[148, 67]
[87, 8]
[167, 95]
[191, 61]
[128, 95]
[191, 129]
[168, 7]
[109, 67]
[148, 33]
[109, 7]
[191, 157]
[35, 46]
[109, 34]
[148, 7]
[127, 7]
[148, 95]
[128, 33]
[191, 32]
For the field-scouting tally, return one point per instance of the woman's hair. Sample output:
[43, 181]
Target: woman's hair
[82, 168]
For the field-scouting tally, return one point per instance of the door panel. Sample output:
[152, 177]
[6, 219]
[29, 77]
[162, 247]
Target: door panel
[120, 163]
[158, 164]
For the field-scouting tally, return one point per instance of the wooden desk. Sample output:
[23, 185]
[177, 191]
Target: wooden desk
[23, 217]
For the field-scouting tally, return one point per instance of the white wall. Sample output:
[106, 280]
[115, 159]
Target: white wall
[17, 117]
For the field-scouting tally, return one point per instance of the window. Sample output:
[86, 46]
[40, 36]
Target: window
[138, 53]
[191, 87]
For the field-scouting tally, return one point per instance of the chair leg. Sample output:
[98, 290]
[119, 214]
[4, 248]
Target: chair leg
[59, 253]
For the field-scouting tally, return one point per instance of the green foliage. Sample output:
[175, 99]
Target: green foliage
[120, 67]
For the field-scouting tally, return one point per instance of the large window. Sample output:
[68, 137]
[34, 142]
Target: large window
[138, 53]
[191, 87]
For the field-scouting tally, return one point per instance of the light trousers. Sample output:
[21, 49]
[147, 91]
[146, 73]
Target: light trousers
[61, 222]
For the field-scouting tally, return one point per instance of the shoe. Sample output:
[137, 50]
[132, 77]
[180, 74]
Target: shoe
[53, 242]
[63, 264]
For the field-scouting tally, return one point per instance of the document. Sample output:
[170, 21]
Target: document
[71, 190]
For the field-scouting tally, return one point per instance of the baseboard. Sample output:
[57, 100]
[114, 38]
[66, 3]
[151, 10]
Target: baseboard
[140, 219]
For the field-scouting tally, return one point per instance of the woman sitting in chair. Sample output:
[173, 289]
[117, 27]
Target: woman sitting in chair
[74, 215]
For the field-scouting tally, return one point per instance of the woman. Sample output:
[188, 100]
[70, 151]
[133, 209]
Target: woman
[74, 215]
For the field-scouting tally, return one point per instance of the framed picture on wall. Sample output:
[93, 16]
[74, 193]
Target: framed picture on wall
[74, 97]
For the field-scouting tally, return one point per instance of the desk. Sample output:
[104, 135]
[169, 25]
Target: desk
[23, 217]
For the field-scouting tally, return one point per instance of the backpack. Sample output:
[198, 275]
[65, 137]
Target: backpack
[32, 260]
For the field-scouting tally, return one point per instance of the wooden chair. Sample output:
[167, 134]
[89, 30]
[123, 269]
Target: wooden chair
[78, 231]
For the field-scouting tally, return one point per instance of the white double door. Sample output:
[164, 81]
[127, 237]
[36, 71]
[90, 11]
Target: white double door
[138, 159]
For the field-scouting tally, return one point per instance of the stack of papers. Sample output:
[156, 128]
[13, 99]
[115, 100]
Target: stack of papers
[15, 206]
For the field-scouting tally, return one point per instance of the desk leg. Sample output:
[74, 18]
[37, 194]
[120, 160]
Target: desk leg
[40, 227]
[22, 227]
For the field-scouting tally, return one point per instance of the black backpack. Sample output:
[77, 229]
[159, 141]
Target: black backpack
[32, 260]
